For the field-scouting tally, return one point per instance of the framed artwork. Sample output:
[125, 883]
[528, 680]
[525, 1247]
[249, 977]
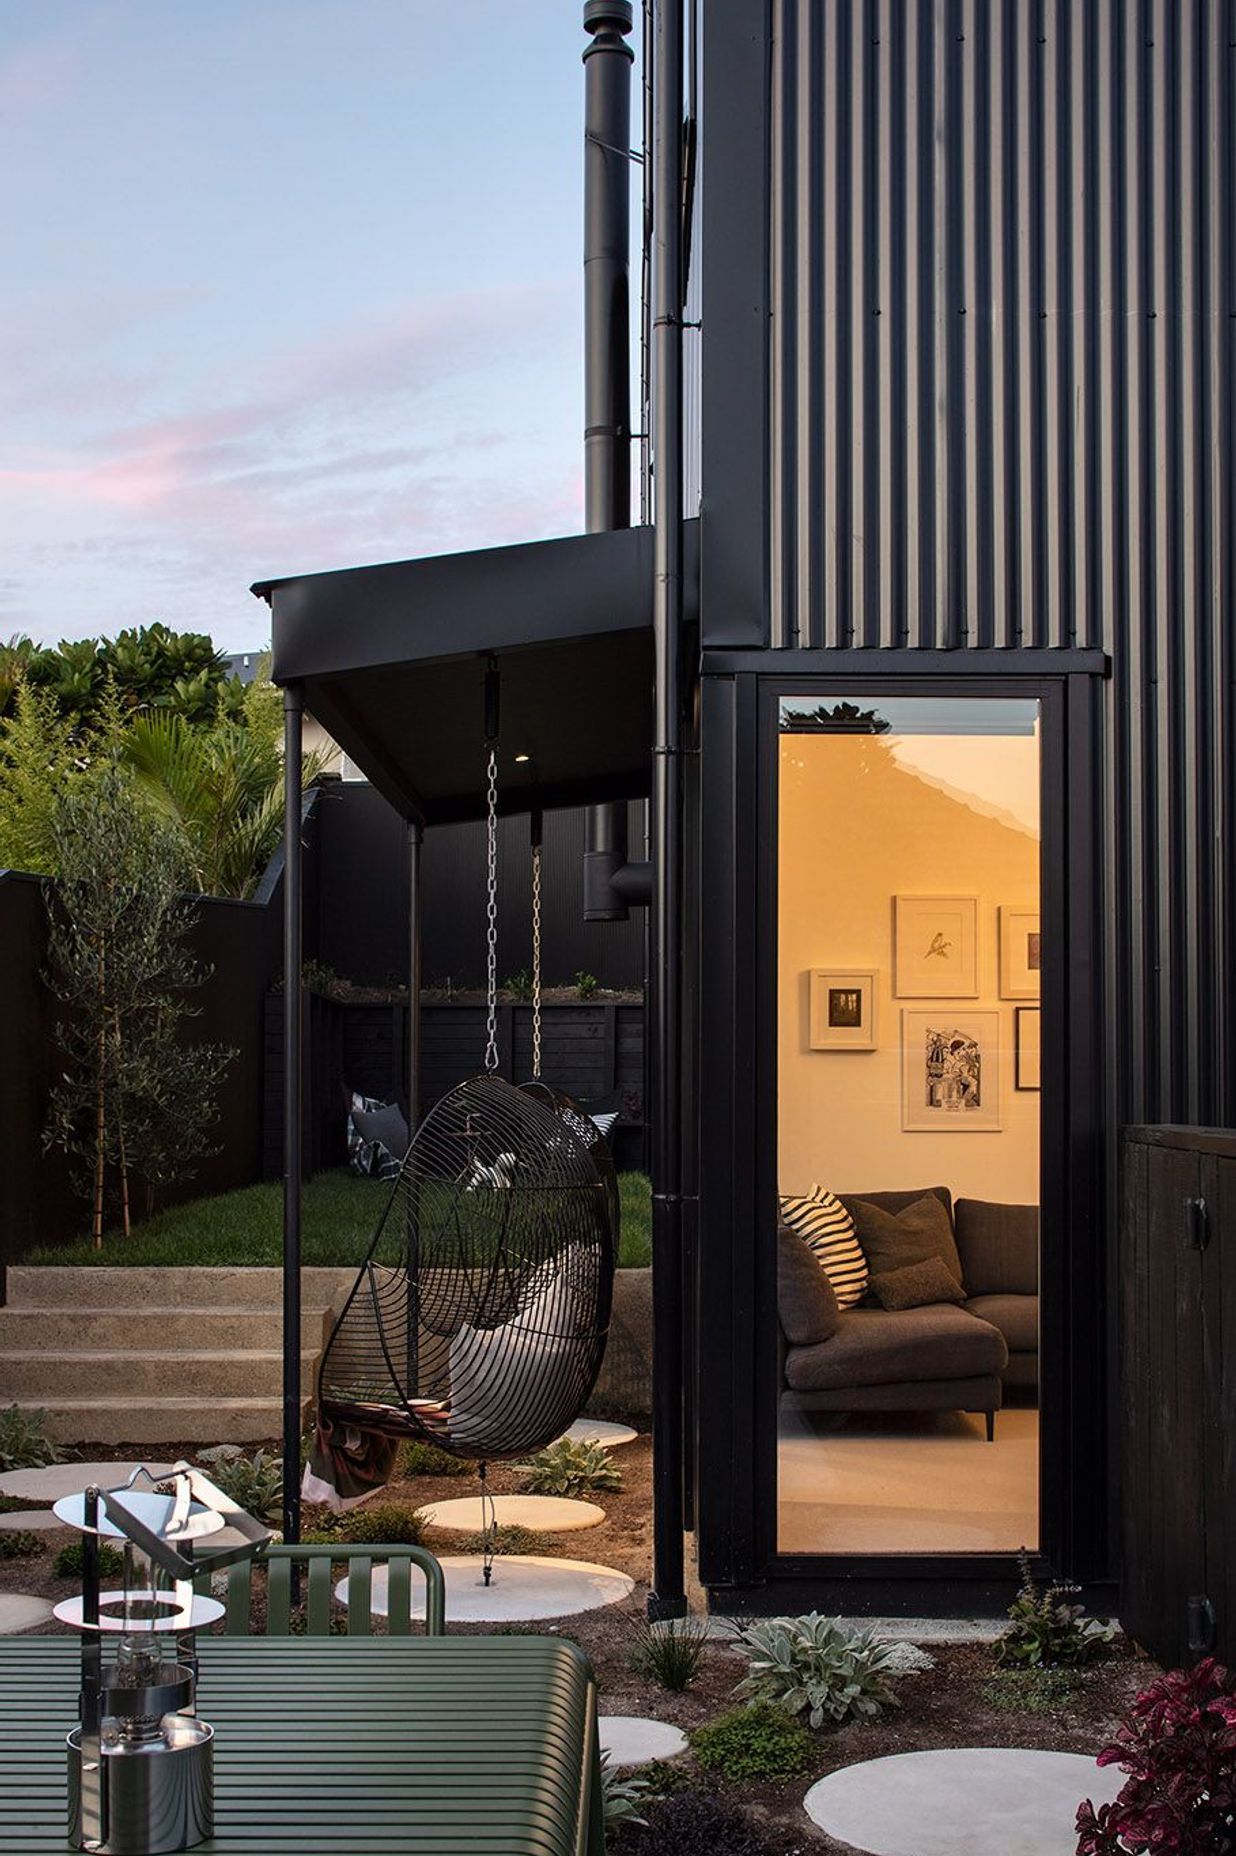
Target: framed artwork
[950, 1071]
[1021, 953]
[842, 1008]
[936, 947]
[1027, 1047]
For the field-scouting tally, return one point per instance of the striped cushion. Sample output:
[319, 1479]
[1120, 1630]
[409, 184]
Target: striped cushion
[823, 1222]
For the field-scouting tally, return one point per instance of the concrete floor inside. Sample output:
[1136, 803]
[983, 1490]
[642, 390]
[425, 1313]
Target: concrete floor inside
[907, 1482]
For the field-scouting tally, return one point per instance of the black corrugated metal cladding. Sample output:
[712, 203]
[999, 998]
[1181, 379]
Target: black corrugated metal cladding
[1001, 332]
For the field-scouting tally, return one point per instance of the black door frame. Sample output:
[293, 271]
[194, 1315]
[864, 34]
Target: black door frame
[736, 1283]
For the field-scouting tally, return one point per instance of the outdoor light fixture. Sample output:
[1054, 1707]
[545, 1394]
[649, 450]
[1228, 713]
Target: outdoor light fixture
[140, 1760]
[521, 760]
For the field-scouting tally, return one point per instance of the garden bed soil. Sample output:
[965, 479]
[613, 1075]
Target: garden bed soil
[943, 1707]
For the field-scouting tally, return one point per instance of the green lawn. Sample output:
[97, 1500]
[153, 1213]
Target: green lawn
[339, 1215]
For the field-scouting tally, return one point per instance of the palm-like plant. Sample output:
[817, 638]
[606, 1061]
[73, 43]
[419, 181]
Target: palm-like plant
[222, 788]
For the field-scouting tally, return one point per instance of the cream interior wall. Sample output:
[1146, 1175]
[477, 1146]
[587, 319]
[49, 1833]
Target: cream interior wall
[858, 827]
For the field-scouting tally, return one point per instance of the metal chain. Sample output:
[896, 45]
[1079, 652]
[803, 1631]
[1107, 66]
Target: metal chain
[491, 916]
[536, 960]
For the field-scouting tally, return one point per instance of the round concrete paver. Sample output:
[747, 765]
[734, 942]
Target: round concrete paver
[60, 1479]
[966, 1801]
[524, 1589]
[548, 1514]
[17, 1613]
[36, 1521]
[631, 1740]
[600, 1431]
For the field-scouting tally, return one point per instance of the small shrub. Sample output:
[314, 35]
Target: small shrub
[586, 984]
[907, 1659]
[1178, 1746]
[814, 1665]
[759, 1742]
[336, 1624]
[19, 1543]
[671, 1652]
[1046, 1631]
[1031, 1691]
[69, 1562]
[416, 1459]
[19, 1504]
[254, 1483]
[391, 1524]
[622, 1794]
[509, 1538]
[519, 985]
[664, 1777]
[693, 1824]
[24, 1443]
[570, 1468]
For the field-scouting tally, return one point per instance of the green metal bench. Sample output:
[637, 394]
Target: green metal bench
[316, 1565]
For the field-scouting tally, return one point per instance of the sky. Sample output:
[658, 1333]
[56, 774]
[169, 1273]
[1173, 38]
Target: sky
[285, 285]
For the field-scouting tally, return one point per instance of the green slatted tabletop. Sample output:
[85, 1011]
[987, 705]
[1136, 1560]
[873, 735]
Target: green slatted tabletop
[363, 1746]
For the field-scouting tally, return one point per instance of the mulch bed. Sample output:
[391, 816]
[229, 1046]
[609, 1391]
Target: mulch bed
[944, 1707]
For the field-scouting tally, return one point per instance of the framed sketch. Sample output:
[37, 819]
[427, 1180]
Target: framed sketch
[1026, 1048]
[842, 1008]
[1021, 953]
[936, 947]
[950, 1071]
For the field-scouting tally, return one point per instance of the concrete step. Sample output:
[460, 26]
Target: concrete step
[114, 1421]
[118, 1287]
[140, 1376]
[152, 1328]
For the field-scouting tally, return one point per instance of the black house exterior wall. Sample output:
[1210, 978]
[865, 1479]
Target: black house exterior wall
[968, 286]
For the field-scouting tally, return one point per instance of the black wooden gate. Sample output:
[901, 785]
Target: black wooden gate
[1177, 1304]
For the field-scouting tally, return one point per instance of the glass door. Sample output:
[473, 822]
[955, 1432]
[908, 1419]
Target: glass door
[908, 964]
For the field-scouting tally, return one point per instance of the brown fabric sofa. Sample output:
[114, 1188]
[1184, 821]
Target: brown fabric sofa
[942, 1357]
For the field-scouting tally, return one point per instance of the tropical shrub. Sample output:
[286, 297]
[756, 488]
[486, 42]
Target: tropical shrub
[1046, 1630]
[254, 1483]
[418, 1459]
[751, 1744]
[671, 1651]
[24, 1443]
[569, 1467]
[70, 1562]
[814, 1665]
[1178, 1747]
[19, 1543]
[622, 1794]
[690, 1823]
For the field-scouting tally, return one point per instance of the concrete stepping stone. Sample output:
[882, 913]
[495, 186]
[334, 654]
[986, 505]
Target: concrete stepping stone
[60, 1479]
[600, 1431]
[633, 1740]
[967, 1801]
[18, 1613]
[548, 1514]
[525, 1589]
[33, 1520]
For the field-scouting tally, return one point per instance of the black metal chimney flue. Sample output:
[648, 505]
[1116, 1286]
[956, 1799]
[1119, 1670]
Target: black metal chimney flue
[607, 265]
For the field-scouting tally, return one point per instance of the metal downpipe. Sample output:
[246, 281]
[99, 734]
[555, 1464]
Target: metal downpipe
[667, 1597]
[293, 1132]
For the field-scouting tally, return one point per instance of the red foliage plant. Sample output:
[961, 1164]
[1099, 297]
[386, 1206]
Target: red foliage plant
[1178, 1746]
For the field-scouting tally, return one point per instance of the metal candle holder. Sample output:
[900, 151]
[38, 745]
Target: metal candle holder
[140, 1760]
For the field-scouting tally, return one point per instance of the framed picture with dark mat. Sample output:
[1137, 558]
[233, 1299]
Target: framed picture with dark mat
[841, 1008]
[1026, 1047]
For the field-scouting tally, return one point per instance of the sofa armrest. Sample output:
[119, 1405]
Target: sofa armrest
[998, 1246]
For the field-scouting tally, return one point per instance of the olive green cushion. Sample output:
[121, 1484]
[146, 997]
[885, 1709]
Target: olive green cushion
[892, 1240]
[806, 1305]
[917, 1285]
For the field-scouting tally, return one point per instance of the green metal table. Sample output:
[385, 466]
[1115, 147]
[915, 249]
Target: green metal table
[360, 1746]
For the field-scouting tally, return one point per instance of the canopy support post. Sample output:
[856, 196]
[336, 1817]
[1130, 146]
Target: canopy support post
[293, 1106]
[416, 840]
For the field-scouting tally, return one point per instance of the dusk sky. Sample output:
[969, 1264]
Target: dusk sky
[287, 285]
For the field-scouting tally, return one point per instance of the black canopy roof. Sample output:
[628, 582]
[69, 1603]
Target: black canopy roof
[392, 661]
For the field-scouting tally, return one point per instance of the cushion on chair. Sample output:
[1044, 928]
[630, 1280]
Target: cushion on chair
[824, 1224]
[917, 1285]
[806, 1305]
[999, 1247]
[874, 1346]
[892, 1240]
[1016, 1316]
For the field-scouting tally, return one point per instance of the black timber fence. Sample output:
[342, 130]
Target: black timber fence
[594, 1050]
[1177, 1316]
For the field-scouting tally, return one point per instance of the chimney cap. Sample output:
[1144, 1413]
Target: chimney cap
[616, 14]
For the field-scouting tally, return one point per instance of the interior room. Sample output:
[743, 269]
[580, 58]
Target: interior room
[909, 954]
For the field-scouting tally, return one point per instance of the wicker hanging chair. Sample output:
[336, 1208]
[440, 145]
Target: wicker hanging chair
[479, 1319]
